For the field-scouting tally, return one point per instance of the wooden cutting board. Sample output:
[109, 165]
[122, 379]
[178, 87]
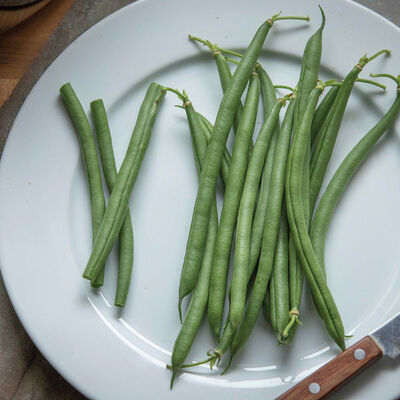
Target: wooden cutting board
[20, 45]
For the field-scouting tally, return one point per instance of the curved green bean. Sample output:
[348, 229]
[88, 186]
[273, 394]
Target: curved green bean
[330, 129]
[299, 226]
[198, 301]
[343, 175]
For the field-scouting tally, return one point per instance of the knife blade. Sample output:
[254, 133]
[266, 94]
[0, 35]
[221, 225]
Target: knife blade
[384, 341]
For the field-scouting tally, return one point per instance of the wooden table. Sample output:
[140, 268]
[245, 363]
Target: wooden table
[20, 45]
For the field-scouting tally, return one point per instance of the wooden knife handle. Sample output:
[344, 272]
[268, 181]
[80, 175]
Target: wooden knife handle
[336, 372]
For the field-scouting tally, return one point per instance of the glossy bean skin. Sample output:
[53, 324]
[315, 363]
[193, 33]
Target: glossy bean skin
[299, 226]
[342, 177]
[92, 167]
[233, 192]
[119, 199]
[106, 151]
[212, 165]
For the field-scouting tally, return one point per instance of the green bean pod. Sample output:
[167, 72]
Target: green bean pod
[119, 199]
[299, 226]
[89, 154]
[279, 171]
[308, 77]
[233, 192]
[104, 141]
[191, 324]
[279, 284]
[342, 177]
[257, 228]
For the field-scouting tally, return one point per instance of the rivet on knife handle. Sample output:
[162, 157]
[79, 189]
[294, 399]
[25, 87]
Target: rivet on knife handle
[336, 372]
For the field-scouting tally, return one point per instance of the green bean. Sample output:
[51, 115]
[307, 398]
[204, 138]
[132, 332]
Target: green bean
[279, 284]
[257, 228]
[344, 173]
[241, 273]
[270, 235]
[89, 154]
[119, 199]
[322, 112]
[330, 129]
[198, 301]
[269, 97]
[233, 192]
[279, 171]
[226, 158]
[299, 226]
[104, 141]
[308, 77]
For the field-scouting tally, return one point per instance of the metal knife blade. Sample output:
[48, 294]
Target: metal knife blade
[387, 337]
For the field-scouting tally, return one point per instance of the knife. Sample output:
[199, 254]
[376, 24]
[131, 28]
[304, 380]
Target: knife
[385, 341]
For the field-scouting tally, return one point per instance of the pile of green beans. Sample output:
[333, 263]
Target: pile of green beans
[270, 216]
[269, 207]
[113, 221]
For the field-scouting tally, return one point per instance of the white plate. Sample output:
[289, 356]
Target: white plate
[45, 235]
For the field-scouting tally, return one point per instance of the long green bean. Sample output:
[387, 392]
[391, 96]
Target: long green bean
[104, 141]
[119, 199]
[89, 154]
